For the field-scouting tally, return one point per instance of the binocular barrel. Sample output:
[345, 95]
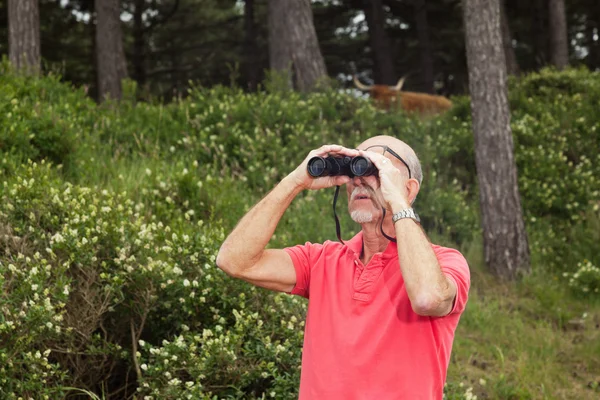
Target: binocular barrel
[336, 166]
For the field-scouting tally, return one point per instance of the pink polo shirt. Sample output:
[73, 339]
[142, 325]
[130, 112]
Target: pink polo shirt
[362, 339]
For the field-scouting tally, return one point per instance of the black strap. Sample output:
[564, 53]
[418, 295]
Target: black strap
[337, 221]
[391, 239]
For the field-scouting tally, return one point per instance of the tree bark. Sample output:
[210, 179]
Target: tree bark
[383, 71]
[251, 63]
[280, 51]
[139, 53]
[594, 40]
[293, 45]
[109, 46]
[512, 66]
[559, 45]
[424, 45]
[24, 35]
[505, 239]
[540, 32]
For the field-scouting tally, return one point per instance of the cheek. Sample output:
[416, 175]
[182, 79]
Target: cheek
[372, 181]
[349, 188]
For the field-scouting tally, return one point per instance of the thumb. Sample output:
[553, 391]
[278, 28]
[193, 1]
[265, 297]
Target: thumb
[340, 180]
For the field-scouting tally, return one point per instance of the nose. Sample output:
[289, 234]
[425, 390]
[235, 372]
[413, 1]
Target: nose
[357, 181]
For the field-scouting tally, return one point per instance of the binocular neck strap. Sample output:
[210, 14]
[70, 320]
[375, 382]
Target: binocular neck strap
[391, 239]
[337, 221]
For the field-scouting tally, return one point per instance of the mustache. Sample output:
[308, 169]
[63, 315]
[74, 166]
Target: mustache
[362, 191]
[365, 191]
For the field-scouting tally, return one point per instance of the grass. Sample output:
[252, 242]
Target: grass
[530, 340]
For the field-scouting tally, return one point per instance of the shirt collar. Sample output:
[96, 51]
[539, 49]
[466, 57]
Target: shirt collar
[355, 244]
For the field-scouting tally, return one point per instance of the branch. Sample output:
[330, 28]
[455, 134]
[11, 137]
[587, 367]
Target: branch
[138, 371]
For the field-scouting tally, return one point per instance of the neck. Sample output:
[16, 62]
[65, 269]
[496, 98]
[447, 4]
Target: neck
[373, 239]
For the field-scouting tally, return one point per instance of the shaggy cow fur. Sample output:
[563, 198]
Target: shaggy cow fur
[388, 97]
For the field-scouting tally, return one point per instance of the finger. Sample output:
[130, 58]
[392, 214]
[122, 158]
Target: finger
[344, 151]
[377, 159]
[334, 149]
[340, 180]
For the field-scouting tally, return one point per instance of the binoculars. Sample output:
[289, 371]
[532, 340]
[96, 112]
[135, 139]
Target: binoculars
[336, 166]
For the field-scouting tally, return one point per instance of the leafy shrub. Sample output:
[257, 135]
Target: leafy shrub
[586, 280]
[41, 118]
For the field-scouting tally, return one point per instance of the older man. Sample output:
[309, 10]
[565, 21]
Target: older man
[382, 312]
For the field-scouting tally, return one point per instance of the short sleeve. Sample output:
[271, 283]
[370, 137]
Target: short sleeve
[304, 258]
[455, 267]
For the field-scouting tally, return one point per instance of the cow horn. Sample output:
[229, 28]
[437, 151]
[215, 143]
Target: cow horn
[360, 85]
[400, 83]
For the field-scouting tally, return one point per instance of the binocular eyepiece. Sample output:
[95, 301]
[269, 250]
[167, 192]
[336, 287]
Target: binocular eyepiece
[336, 166]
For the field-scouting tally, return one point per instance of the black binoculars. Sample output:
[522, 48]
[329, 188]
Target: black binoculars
[336, 166]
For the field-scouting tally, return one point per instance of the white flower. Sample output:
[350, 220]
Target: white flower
[57, 238]
[144, 367]
[186, 283]
[148, 172]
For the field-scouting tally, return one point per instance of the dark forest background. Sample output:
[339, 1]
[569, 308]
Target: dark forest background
[168, 43]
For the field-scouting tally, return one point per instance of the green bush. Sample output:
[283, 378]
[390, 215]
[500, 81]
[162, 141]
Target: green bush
[41, 118]
[586, 280]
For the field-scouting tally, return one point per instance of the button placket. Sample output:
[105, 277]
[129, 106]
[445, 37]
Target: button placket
[364, 283]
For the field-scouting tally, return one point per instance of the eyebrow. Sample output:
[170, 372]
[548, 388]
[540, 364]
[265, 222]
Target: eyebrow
[392, 152]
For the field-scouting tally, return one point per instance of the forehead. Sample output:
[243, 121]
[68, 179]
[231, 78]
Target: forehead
[382, 141]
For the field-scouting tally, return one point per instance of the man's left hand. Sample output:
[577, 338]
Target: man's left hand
[393, 181]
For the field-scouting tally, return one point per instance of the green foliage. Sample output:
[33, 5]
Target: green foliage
[41, 118]
[109, 234]
[586, 280]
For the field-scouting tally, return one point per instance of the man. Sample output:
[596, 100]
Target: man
[381, 315]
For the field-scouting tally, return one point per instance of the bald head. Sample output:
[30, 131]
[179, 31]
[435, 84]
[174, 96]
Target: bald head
[403, 150]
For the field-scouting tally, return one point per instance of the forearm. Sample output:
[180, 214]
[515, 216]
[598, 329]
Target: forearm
[246, 243]
[429, 290]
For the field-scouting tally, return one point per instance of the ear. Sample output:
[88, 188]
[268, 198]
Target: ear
[413, 187]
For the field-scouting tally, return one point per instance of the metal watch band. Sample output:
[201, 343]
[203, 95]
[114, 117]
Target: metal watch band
[406, 213]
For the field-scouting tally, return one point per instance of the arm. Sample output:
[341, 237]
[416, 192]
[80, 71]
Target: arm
[243, 254]
[430, 291]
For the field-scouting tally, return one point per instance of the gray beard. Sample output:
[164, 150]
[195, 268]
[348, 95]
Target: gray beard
[361, 217]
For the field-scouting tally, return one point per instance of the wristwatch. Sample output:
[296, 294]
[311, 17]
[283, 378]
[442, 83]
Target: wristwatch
[406, 213]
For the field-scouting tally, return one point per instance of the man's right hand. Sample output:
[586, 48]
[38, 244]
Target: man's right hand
[302, 179]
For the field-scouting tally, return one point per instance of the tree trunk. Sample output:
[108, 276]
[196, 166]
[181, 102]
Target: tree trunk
[24, 35]
[139, 54]
[540, 32]
[424, 45]
[109, 45]
[280, 51]
[505, 239]
[251, 64]
[594, 41]
[559, 45]
[293, 45]
[383, 71]
[512, 66]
